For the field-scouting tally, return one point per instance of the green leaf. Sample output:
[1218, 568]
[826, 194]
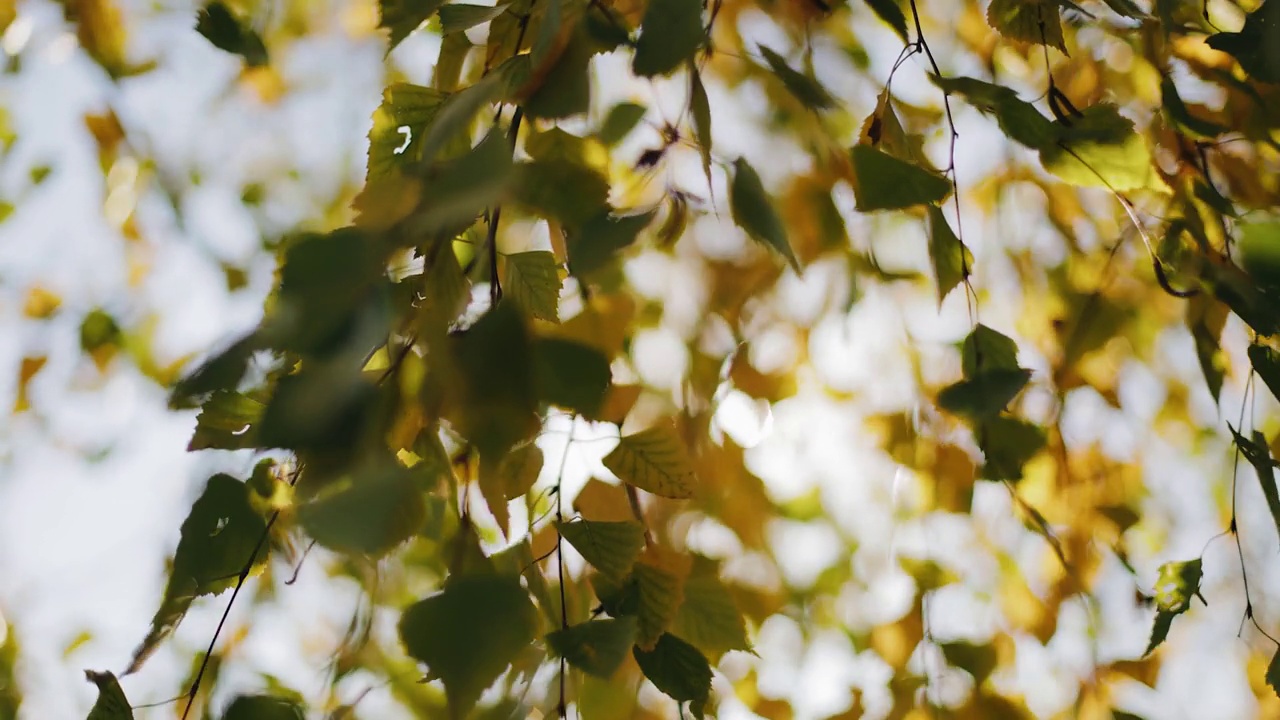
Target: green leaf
[753, 211]
[985, 349]
[510, 479]
[1008, 444]
[111, 703]
[1266, 362]
[448, 291]
[1100, 149]
[891, 12]
[263, 707]
[468, 634]
[1125, 8]
[368, 514]
[658, 597]
[708, 617]
[226, 422]
[459, 17]
[222, 537]
[99, 331]
[563, 190]
[412, 107]
[1257, 46]
[1177, 583]
[678, 669]
[401, 17]
[496, 396]
[456, 191]
[700, 109]
[1259, 252]
[807, 90]
[620, 121]
[221, 372]
[603, 237]
[610, 547]
[532, 281]
[455, 115]
[1031, 21]
[596, 647]
[571, 375]
[654, 460]
[566, 88]
[978, 660]
[1205, 318]
[670, 32]
[1258, 454]
[1018, 119]
[322, 407]
[889, 183]
[985, 395]
[225, 31]
[952, 262]
[1181, 118]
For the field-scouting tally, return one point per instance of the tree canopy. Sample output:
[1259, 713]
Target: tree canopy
[680, 358]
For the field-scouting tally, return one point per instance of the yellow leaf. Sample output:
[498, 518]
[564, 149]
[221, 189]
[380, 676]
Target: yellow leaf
[40, 303]
[654, 460]
[30, 366]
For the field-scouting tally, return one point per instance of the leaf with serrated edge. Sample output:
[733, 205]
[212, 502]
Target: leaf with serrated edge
[655, 461]
[709, 618]
[111, 703]
[610, 547]
[533, 282]
[660, 593]
[596, 647]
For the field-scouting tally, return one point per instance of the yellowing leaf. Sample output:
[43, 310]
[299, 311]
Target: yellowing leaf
[610, 547]
[222, 537]
[513, 476]
[670, 33]
[532, 281]
[468, 634]
[40, 303]
[597, 647]
[753, 211]
[30, 367]
[1177, 584]
[111, 703]
[659, 594]
[654, 460]
[1100, 149]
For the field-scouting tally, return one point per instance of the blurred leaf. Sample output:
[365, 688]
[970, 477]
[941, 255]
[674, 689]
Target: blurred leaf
[510, 479]
[891, 12]
[497, 401]
[596, 647]
[610, 547]
[952, 261]
[571, 375]
[111, 703]
[1100, 149]
[1007, 444]
[533, 283]
[1018, 119]
[753, 211]
[263, 707]
[1259, 253]
[978, 660]
[709, 618]
[807, 90]
[401, 17]
[1181, 117]
[1257, 46]
[40, 303]
[889, 183]
[455, 116]
[225, 31]
[620, 121]
[100, 337]
[603, 237]
[221, 372]
[659, 593]
[565, 88]
[222, 537]
[654, 460]
[1177, 584]
[411, 107]
[1266, 362]
[563, 190]
[1258, 454]
[700, 109]
[457, 191]
[28, 369]
[459, 17]
[670, 33]
[1030, 21]
[468, 634]
[985, 349]
[369, 513]
[1273, 673]
[984, 395]
[10, 690]
[677, 669]
[1206, 317]
[226, 422]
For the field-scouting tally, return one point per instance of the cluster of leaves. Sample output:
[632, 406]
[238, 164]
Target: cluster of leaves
[394, 393]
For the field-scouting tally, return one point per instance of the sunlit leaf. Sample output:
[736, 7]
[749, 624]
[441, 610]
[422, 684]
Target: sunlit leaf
[100, 337]
[26, 372]
[670, 33]
[1018, 119]
[225, 31]
[659, 593]
[679, 670]
[222, 537]
[807, 90]
[226, 422]
[263, 707]
[468, 634]
[511, 478]
[1031, 21]
[368, 514]
[889, 183]
[753, 211]
[610, 547]
[111, 703]
[1177, 584]
[597, 647]
[562, 189]
[654, 460]
[952, 261]
[1100, 149]
[532, 281]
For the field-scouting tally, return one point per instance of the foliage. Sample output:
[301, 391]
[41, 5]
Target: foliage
[525, 234]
